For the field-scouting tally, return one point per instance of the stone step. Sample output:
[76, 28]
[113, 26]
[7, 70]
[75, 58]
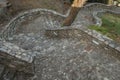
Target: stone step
[11, 74]
[16, 58]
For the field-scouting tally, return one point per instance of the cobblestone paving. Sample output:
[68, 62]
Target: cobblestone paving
[70, 59]
[80, 57]
[67, 58]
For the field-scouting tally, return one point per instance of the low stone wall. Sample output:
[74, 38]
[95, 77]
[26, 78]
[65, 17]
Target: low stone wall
[103, 38]
[17, 56]
[94, 9]
[10, 28]
[70, 32]
[97, 9]
[14, 57]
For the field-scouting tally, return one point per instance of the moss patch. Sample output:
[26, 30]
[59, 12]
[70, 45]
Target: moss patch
[110, 26]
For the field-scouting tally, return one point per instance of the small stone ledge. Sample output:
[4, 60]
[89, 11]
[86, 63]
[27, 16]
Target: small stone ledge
[103, 38]
[14, 57]
[21, 59]
[72, 32]
[65, 32]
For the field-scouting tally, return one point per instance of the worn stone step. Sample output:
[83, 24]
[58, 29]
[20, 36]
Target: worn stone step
[16, 58]
[11, 74]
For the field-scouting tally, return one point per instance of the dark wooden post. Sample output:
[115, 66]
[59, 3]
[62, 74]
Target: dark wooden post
[77, 4]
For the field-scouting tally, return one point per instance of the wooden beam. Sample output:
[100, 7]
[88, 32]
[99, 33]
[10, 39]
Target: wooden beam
[75, 7]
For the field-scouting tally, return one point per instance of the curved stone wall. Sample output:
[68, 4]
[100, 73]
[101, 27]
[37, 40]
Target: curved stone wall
[54, 28]
[92, 9]
[15, 22]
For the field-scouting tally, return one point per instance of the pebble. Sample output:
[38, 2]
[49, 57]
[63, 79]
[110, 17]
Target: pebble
[97, 43]
[106, 78]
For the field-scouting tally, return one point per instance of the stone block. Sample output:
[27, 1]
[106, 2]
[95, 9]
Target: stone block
[16, 58]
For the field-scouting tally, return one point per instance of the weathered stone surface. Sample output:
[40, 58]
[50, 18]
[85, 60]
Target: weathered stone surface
[72, 55]
[15, 57]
